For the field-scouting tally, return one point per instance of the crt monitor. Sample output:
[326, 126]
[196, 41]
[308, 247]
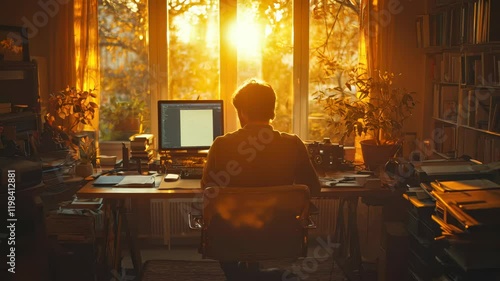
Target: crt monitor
[189, 124]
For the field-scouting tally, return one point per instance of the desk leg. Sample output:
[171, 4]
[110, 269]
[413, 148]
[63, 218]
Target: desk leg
[130, 224]
[339, 235]
[125, 220]
[346, 234]
[117, 210]
[354, 248]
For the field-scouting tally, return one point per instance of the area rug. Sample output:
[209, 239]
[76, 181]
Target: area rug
[175, 270]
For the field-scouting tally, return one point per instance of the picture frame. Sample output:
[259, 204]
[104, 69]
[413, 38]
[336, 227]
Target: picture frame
[14, 43]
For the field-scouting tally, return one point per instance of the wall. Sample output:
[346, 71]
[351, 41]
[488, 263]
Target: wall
[407, 59]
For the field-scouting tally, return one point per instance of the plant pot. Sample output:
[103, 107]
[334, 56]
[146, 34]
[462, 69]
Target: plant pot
[84, 170]
[375, 156]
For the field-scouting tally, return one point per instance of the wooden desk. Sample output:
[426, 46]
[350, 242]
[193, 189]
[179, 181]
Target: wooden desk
[346, 230]
[191, 190]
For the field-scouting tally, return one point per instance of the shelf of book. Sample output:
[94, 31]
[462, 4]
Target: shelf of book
[461, 43]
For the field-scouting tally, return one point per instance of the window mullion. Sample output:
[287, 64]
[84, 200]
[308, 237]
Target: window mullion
[158, 64]
[228, 62]
[300, 67]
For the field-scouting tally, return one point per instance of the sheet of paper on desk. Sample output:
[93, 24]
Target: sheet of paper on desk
[137, 181]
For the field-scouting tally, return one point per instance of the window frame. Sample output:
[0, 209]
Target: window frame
[228, 62]
[158, 65]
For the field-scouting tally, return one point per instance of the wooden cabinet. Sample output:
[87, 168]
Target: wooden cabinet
[462, 47]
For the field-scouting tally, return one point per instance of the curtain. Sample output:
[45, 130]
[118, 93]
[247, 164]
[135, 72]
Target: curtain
[377, 35]
[62, 46]
[74, 52]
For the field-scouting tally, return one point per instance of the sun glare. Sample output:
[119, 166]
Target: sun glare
[245, 35]
[184, 28]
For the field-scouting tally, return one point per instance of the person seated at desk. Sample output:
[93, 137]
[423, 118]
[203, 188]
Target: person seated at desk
[256, 154]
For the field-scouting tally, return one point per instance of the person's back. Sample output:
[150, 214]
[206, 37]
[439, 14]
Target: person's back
[257, 155]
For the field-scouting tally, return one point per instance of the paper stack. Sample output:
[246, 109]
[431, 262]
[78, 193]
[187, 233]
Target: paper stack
[467, 212]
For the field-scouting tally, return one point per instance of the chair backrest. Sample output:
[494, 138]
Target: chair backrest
[255, 223]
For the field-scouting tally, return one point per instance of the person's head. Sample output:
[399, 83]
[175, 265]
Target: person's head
[255, 102]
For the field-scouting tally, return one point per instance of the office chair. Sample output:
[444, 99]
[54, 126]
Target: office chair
[254, 223]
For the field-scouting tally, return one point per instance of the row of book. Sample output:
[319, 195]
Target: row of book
[446, 102]
[472, 69]
[471, 22]
[481, 109]
[482, 147]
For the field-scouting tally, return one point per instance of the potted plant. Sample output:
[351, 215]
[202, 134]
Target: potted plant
[375, 108]
[85, 147]
[70, 109]
[68, 112]
[122, 118]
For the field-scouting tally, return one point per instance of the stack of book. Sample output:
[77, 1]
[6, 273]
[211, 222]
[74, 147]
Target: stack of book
[142, 149]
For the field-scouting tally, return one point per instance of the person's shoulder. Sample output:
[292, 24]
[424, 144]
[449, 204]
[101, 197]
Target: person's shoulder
[291, 137]
[227, 137]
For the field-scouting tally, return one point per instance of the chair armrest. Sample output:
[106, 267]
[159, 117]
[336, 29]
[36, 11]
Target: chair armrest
[195, 221]
[311, 224]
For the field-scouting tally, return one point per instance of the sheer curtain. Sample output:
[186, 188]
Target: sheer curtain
[74, 52]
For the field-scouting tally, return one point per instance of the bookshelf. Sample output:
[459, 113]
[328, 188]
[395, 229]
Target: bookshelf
[461, 42]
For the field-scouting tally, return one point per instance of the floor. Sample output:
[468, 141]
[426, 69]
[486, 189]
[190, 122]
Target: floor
[318, 248]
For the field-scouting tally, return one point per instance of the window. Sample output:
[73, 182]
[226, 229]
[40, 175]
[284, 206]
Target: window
[193, 49]
[123, 42]
[206, 48]
[333, 51]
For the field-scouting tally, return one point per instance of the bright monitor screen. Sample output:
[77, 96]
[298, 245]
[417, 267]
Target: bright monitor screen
[189, 124]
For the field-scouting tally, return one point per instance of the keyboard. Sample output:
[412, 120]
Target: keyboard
[191, 173]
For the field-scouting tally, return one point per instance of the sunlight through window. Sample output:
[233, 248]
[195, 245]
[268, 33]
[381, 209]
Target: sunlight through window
[246, 36]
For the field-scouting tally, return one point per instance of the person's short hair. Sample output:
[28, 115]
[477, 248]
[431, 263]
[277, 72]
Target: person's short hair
[257, 99]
